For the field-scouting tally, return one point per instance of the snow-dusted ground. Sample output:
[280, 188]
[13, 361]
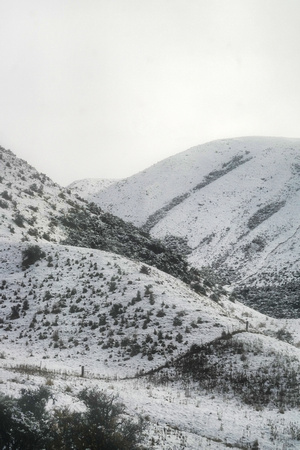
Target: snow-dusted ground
[177, 417]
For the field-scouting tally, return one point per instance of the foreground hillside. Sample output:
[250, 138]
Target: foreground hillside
[234, 204]
[183, 361]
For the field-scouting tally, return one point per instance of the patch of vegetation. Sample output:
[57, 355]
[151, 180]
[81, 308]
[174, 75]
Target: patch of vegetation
[276, 299]
[26, 423]
[222, 366]
[264, 213]
[178, 244]
[90, 227]
[154, 218]
[3, 204]
[6, 195]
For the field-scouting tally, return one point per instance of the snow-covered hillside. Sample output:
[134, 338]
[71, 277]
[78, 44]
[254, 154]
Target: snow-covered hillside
[202, 369]
[30, 202]
[85, 302]
[235, 201]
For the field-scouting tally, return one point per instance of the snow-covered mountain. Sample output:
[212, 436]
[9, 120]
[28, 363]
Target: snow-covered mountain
[81, 289]
[234, 202]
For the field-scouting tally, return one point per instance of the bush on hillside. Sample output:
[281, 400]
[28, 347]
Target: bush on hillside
[23, 421]
[31, 255]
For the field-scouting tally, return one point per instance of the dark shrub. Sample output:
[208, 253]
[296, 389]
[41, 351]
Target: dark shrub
[146, 270]
[25, 424]
[31, 254]
[19, 220]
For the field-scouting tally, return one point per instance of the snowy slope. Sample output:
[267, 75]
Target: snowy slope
[30, 202]
[203, 370]
[76, 307]
[235, 201]
[140, 196]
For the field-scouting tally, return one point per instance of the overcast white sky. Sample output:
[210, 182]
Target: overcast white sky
[106, 88]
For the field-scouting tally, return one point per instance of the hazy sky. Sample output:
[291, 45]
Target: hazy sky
[106, 88]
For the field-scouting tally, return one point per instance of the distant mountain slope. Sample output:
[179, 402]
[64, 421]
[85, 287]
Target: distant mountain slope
[235, 201]
[90, 187]
[174, 179]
